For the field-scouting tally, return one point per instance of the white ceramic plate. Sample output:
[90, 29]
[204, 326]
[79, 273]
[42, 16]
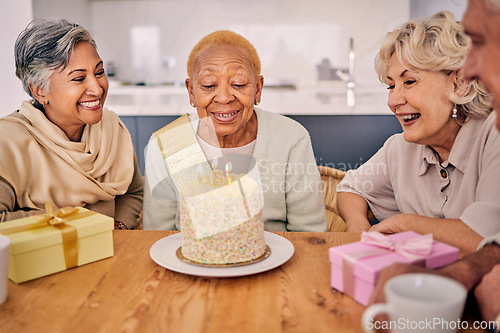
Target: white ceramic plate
[163, 253]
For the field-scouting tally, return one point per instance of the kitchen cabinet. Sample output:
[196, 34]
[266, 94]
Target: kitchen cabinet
[340, 141]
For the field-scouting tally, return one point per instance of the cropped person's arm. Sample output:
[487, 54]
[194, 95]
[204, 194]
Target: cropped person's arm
[468, 271]
[487, 294]
[129, 205]
[353, 209]
[450, 231]
[8, 204]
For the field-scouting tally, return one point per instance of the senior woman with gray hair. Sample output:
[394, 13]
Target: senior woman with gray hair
[440, 175]
[63, 146]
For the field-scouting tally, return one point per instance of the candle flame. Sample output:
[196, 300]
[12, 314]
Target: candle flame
[228, 168]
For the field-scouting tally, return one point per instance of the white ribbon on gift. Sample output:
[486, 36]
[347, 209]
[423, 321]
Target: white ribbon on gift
[411, 249]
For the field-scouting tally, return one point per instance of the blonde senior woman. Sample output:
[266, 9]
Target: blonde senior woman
[64, 146]
[479, 271]
[224, 83]
[440, 175]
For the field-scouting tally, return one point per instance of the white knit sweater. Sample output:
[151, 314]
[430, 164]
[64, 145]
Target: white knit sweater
[291, 183]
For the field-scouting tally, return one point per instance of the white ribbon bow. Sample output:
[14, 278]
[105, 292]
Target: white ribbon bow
[412, 249]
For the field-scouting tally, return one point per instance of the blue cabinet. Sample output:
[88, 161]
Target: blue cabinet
[340, 141]
[141, 128]
[347, 141]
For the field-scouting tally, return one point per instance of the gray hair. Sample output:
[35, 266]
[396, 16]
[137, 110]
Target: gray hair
[43, 47]
[437, 44]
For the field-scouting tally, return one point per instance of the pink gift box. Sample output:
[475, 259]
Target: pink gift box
[364, 271]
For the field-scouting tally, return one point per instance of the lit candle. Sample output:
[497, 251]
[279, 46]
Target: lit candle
[228, 168]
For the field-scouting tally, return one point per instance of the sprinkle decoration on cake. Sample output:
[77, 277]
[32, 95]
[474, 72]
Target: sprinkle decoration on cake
[221, 220]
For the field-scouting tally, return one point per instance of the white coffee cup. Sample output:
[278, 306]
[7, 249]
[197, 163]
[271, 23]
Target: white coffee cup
[4, 266]
[419, 303]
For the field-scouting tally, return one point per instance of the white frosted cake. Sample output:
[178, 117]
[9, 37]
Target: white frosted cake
[223, 225]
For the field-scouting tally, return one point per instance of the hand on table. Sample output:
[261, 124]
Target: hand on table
[387, 273]
[487, 294]
[120, 226]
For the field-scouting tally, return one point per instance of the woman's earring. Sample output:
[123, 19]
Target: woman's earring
[193, 105]
[454, 113]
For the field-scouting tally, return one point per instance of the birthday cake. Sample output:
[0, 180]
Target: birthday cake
[222, 223]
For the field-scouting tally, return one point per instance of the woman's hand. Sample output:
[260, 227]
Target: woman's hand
[394, 224]
[120, 226]
[487, 294]
[450, 231]
[378, 295]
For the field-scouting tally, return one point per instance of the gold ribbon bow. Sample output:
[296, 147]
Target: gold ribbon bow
[58, 217]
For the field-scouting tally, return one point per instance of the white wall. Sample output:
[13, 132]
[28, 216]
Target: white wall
[14, 16]
[424, 8]
[291, 36]
[75, 11]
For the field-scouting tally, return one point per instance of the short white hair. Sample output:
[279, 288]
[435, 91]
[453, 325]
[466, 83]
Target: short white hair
[43, 47]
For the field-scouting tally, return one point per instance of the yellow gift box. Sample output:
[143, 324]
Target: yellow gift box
[53, 242]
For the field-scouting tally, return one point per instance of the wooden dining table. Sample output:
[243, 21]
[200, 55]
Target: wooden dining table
[129, 292]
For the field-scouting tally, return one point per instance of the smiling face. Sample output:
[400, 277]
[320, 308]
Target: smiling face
[420, 100]
[482, 24]
[77, 93]
[224, 88]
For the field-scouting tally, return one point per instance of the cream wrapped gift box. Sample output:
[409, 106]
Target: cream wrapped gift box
[356, 266]
[52, 243]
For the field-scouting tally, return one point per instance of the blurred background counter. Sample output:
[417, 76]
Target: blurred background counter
[343, 137]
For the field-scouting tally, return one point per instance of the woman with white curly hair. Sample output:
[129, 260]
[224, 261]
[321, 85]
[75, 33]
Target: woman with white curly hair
[440, 175]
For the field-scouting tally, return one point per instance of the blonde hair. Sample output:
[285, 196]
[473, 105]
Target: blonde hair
[437, 44]
[224, 38]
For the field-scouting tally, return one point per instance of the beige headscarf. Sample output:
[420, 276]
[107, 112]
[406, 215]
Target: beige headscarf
[42, 164]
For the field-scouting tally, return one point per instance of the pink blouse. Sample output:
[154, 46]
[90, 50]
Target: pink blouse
[407, 178]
